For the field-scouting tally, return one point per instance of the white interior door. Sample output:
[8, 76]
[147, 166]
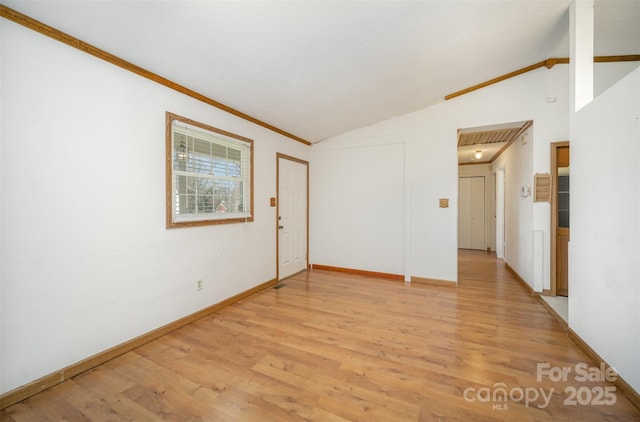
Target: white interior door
[471, 213]
[292, 217]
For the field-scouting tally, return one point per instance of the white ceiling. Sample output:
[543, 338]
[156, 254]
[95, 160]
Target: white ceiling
[319, 68]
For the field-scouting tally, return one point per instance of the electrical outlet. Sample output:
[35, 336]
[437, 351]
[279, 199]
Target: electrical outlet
[199, 285]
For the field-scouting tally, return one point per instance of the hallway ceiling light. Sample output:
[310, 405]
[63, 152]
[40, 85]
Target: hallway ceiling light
[478, 154]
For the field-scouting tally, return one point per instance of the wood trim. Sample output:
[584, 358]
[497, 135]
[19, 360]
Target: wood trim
[48, 381]
[474, 163]
[610, 59]
[629, 392]
[549, 63]
[290, 158]
[546, 292]
[398, 277]
[554, 215]
[434, 281]
[496, 80]
[170, 224]
[519, 279]
[306, 163]
[168, 169]
[71, 41]
[522, 130]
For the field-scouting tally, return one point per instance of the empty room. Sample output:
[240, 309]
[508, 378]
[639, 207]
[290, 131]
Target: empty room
[320, 210]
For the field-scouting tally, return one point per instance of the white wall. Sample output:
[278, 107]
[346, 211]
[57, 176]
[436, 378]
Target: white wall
[362, 198]
[607, 74]
[604, 251]
[86, 260]
[519, 242]
[431, 170]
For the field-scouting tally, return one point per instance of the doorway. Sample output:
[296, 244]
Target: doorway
[292, 223]
[478, 149]
[560, 221]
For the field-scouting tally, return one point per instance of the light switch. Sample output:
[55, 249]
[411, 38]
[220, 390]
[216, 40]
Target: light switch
[444, 203]
[272, 202]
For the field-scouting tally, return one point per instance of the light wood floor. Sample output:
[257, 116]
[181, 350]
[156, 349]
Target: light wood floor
[333, 347]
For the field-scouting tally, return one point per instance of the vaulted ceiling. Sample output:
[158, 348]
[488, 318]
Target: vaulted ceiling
[320, 68]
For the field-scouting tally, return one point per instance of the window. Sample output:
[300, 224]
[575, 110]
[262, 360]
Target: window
[209, 175]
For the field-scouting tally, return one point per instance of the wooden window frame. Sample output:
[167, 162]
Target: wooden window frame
[206, 220]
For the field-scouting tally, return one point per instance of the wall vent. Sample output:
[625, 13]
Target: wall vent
[542, 187]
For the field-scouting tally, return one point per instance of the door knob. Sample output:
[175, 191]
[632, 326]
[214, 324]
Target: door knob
[281, 227]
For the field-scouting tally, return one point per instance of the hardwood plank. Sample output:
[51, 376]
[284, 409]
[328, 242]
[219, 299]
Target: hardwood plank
[117, 401]
[50, 380]
[337, 346]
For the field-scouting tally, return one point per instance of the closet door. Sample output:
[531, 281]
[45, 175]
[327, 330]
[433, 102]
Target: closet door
[471, 217]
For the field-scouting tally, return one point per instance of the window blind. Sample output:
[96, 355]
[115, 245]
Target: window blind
[211, 174]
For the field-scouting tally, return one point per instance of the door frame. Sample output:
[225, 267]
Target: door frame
[277, 222]
[554, 215]
[501, 226]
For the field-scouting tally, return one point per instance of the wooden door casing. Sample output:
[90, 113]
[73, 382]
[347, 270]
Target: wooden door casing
[562, 262]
